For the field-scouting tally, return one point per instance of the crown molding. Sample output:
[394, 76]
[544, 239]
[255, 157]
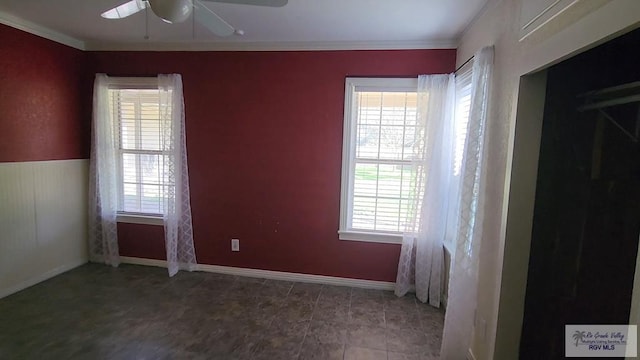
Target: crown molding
[35, 29]
[473, 21]
[272, 46]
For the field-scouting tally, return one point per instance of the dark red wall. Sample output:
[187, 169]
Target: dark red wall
[143, 241]
[42, 113]
[264, 143]
[264, 140]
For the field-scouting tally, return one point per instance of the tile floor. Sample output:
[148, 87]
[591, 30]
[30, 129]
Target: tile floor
[136, 312]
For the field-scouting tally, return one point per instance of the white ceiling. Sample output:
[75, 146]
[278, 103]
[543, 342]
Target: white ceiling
[357, 24]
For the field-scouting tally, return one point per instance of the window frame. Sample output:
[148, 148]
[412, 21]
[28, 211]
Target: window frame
[462, 112]
[352, 86]
[131, 83]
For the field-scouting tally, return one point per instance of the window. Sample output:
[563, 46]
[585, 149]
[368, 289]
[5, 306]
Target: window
[379, 159]
[461, 119]
[463, 106]
[139, 165]
[141, 152]
[379, 131]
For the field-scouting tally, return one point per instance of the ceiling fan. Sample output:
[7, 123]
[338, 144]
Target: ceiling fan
[176, 11]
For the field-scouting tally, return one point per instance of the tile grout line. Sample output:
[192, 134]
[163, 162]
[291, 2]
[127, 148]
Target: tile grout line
[268, 325]
[386, 329]
[344, 350]
[310, 320]
[289, 291]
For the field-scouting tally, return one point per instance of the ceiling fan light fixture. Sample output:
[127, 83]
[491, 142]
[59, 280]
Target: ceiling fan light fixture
[172, 11]
[175, 11]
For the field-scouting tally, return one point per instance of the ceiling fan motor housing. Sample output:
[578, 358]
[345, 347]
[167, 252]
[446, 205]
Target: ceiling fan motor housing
[172, 11]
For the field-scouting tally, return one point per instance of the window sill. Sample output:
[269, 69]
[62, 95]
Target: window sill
[140, 219]
[370, 237]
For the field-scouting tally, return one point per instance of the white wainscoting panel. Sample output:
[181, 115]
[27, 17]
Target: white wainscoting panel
[43, 221]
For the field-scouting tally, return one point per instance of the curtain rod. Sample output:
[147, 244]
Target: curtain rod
[463, 64]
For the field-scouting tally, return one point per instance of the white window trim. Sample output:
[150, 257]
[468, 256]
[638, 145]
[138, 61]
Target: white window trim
[348, 150]
[122, 83]
[380, 237]
[144, 219]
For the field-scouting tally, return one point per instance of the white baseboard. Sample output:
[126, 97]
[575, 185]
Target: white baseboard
[40, 278]
[273, 275]
[470, 355]
[142, 261]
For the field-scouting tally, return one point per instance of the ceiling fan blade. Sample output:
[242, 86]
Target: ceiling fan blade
[212, 21]
[125, 10]
[272, 3]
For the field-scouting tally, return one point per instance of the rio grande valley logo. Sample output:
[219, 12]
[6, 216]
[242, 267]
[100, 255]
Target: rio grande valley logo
[600, 340]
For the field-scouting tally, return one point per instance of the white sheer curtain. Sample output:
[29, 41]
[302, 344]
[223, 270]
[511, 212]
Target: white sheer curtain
[421, 256]
[103, 238]
[463, 285]
[103, 207]
[177, 214]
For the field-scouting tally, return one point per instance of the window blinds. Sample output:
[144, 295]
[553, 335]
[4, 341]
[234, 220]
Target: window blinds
[463, 106]
[141, 150]
[385, 135]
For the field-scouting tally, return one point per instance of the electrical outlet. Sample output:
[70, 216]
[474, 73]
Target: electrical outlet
[235, 244]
